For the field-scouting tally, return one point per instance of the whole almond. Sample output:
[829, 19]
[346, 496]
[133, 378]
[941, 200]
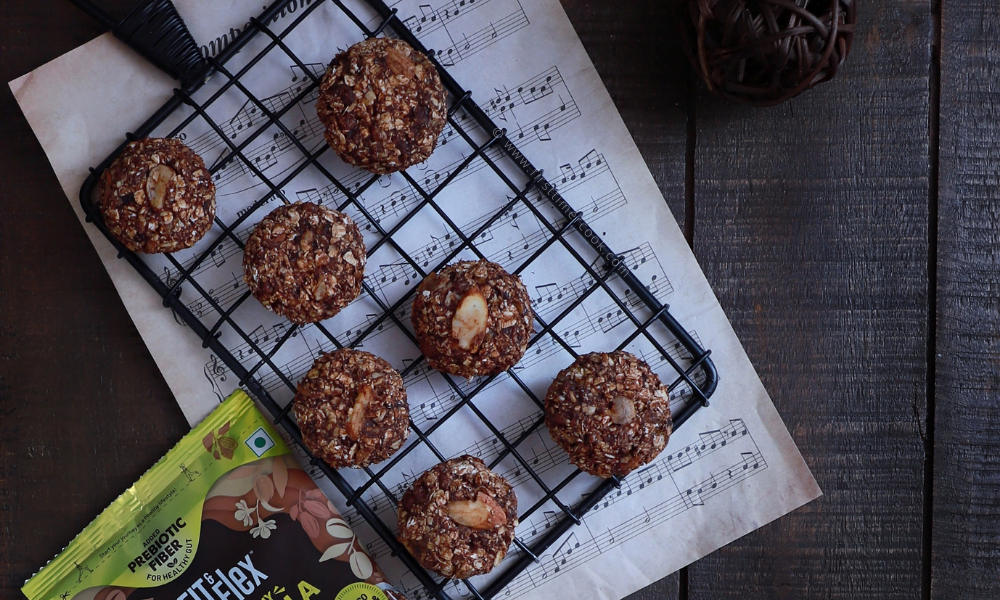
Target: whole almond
[399, 63]
[320, 291]
[306, 240]
[366, 397]
[468, 326]
[481, 513]
[622, 411]
[157, 182]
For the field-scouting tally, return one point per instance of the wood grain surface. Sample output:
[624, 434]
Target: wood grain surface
[867, 300]
[812, 226]
[83, 409]
[966, 501]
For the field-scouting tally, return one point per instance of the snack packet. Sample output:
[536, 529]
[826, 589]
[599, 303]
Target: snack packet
[227, 514]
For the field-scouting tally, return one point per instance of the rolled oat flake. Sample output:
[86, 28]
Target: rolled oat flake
[227, 514]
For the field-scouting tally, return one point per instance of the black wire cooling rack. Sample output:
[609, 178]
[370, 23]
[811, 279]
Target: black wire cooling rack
[699, 376]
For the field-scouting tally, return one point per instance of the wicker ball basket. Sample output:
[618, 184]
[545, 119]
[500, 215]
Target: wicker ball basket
[763, 52]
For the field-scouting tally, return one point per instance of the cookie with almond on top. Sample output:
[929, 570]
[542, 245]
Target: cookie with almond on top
[472, 318]
[157, 196]
[351, 408]
[458, 518]
[609, 412]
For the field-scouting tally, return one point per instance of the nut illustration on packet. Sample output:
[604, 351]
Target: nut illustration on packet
[227, 514]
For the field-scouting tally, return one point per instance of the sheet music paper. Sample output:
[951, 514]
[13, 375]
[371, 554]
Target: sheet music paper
[730, 470]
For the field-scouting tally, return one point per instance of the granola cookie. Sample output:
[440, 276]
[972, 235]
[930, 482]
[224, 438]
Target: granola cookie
[305, 262]
[472, 318]
[609, 412]
[157, 196]
[383, 105]
[458, 519]
[351, 407]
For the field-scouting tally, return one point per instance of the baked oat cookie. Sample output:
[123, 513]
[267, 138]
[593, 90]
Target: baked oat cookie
[458, 519]
[157, 196]
[351, 407]
[383, 105]
[472, 318]
[609, 412]
[305, 262]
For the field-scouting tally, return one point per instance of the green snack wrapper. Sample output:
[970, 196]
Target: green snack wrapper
[227, 514]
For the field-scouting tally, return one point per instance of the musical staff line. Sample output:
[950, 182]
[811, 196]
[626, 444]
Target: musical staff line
[469, 45]
[245, 118]
[432, 19]
[572, 553]
[509, 256]
[651, 475]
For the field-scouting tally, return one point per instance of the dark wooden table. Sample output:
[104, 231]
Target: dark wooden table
[851, 235]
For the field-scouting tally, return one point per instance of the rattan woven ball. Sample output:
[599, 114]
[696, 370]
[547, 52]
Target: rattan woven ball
[763, 52]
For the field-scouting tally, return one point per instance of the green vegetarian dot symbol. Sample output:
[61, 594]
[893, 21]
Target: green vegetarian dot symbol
[259, 442]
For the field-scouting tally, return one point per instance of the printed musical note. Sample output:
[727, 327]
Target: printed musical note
[546, 292]
[470, 43]
[433, 19]
[750, 461]
[549, 518]
[679, 460]
[566, 548]
[572, 337]
[540, 128]
[542, 132]
[431, 410]
[610, 319]
[218, 256]
[243, 119]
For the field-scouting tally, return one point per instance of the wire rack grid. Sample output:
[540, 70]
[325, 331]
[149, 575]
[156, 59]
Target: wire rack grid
[699, 375]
